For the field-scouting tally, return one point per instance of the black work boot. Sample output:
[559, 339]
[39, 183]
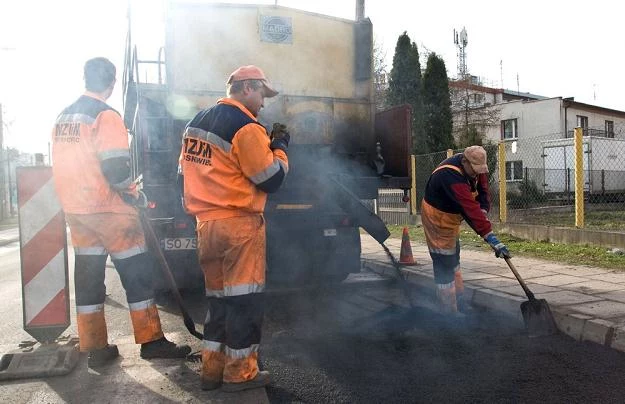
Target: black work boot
[210, 384]
[99, 357]
[464, 307]
[164, 349]
[261, 380]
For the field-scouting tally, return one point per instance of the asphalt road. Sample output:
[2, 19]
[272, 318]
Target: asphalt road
[362, 345]
[354, 343]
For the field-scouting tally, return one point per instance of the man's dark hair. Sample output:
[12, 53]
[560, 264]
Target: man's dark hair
[99, 74]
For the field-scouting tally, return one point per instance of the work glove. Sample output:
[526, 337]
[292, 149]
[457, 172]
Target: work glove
[280, 137]
[501, 251]
[135, 198]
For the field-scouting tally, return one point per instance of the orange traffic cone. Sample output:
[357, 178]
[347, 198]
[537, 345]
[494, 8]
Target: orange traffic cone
[405, 253]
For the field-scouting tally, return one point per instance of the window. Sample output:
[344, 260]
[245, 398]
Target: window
[609, 129]
[514, 170]
[582, 122]
[509, 129]
[478, 98]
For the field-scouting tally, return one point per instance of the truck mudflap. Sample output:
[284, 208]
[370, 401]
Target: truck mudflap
[366, 219]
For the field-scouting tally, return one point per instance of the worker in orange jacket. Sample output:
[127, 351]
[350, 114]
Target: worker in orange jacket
[91, 170]
[230, 164]
[457, 190]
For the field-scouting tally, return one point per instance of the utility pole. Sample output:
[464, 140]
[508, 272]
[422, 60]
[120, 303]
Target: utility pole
[11, 210]
[3, 193]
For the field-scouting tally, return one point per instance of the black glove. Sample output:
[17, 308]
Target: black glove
[138, 200]
[501, 251]
[280, 137]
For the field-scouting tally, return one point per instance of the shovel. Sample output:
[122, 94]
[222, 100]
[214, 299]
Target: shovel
[537, 316]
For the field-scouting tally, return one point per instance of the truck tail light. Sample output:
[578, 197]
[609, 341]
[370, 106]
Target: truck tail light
[406, 197]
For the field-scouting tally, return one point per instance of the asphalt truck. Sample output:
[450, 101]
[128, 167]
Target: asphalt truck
[341, 151]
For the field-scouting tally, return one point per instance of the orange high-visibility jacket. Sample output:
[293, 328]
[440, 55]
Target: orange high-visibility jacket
[227, 164]
[91, 157]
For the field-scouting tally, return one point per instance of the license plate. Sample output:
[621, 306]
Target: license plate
[329, 232]
[188, 243]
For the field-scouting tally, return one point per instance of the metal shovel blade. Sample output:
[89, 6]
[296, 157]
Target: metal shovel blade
[538, 319]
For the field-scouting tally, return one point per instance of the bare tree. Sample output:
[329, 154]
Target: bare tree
[471, 116]
[379, 74]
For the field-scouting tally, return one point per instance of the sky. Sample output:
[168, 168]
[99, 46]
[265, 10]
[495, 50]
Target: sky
[550, 48]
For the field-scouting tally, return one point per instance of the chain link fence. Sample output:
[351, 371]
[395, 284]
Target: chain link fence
[540, 178]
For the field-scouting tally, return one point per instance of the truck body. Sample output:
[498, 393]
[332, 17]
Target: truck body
[322, 67]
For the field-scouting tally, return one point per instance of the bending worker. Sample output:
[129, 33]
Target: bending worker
[91, 172]
[456, 190]
[229, 164]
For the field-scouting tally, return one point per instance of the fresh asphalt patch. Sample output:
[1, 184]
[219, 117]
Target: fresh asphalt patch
[364, 345]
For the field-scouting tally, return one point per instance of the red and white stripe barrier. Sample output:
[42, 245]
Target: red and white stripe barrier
[43, 251]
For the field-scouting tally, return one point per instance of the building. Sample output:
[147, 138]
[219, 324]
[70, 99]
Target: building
[538, 132]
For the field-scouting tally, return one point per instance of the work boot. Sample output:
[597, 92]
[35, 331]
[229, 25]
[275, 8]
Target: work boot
[210, 384]
[261, 380]
[99, 357]
[164, 349]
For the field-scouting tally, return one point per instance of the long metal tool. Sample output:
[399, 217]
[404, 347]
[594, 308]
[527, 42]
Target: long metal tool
[537, 315]
[405, 286]
[152, 241]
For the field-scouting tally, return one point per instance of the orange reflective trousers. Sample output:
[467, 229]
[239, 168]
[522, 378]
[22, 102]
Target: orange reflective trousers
[442, 232]
[231, 252]
[94, 237]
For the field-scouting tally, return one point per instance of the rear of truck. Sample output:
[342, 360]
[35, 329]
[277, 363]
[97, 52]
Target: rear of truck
[322, 68]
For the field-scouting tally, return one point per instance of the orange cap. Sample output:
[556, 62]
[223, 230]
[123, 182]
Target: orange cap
[477, 157]
[251, 72]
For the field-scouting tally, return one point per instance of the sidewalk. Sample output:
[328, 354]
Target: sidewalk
[588, 303]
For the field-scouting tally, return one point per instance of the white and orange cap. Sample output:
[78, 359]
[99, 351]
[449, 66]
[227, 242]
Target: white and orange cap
[251, 72]
[477, 157]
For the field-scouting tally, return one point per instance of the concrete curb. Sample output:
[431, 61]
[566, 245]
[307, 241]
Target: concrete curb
[578, 326]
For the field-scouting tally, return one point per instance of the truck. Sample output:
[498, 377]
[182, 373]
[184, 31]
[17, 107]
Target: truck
[339, 155]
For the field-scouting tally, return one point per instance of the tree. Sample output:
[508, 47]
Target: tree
[405, 87]
[379, 75]
[471, 117]
[437, 123]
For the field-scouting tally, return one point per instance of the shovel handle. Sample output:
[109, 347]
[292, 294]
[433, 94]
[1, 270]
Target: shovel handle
[152, 240]
[527, 291]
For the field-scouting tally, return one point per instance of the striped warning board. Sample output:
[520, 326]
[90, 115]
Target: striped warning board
[43, 252]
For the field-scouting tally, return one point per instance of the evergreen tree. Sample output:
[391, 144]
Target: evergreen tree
[437, 106]
[405, 86]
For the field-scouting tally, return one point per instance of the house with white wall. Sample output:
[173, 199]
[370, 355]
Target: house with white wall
[538, 133]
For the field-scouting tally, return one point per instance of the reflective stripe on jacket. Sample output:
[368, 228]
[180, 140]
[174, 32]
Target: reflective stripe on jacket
[227, 163]
[87, 134]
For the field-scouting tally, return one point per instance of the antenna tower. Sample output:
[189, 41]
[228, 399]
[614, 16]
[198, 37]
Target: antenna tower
[461, 40]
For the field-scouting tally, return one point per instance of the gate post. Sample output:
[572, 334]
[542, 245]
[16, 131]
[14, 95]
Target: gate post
[503, 202]
[579, 178]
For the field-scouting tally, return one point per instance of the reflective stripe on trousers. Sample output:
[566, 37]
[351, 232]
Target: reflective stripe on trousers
[232, 256]
[121, 235]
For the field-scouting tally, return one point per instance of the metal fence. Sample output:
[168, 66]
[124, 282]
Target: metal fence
[540, 179]
[391, 207]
